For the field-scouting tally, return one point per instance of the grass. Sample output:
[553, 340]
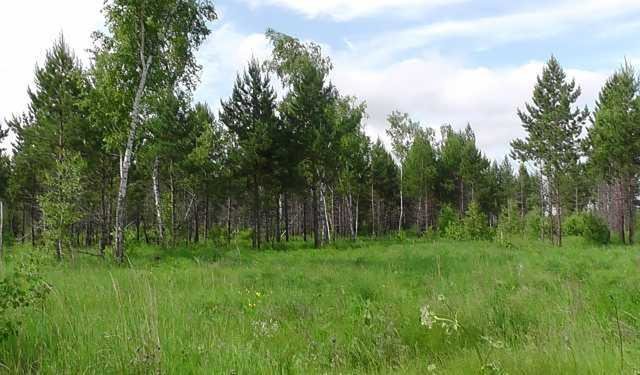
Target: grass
[532, 309]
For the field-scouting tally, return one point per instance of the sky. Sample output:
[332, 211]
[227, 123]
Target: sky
[442, 61]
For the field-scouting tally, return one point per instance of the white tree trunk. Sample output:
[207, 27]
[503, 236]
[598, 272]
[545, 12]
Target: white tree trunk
[156, 198]
[327, 227]
[352, 224]
[121, 201]
[2, 227]
[401, 200]
[355, 234]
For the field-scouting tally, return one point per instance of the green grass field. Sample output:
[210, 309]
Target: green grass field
[532, 309]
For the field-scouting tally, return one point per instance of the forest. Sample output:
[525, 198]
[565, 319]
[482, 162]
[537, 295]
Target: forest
[114, 159]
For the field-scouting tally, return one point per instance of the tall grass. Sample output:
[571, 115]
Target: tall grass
[350, 309]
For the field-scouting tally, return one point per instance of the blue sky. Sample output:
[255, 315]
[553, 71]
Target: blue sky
[442, 61]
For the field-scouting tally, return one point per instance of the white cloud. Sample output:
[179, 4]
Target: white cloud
[432, 88]
[538, 23]
[437, 90]
[27, 29]
[345, 10]
[224, 54]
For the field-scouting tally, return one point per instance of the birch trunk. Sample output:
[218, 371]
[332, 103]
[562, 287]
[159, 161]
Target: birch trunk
[1, 228]
[356, 218]
[373, 213]
[172, 194]
[426, 213]
[631, 207]
[121, 201]
[316, 227]
[352, 224]
[401, 198]
[327, 224]
[156, 199]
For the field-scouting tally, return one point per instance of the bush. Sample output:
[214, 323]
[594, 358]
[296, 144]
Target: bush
[595, 229]
[472, 227]
[533, 224]
[455, 231]
[475, 223]
[510, 221]
[574, 225]
[447, 217]
[20, 288]
[509, 224]
[591, 227]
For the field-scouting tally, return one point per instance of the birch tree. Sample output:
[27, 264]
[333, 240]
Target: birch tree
[402, 131]
[154, 43]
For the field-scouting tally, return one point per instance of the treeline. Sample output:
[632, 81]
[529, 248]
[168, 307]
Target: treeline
[118, 151]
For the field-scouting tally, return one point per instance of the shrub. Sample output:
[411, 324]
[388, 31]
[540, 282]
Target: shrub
[20, 288]
[472, 227]
[475, 223]
[595, 229]
[510, 221]
[455, 231]
[574, 225]
[447, 217]
[533, 224]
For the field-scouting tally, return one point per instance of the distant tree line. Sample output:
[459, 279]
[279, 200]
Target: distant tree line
[119, 152]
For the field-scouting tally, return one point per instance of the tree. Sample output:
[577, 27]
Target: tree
[420, 173]
[5, 173]
[553, 126]
[402, 131]
[309, 108]
[154, 44]
[60, 201]
[473, 166]
[354, 158]
[384, 186]
[250, 114]
[613, 144]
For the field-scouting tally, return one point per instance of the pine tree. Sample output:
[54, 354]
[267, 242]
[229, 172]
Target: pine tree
[613, 144]
[250, 114]
[553, 126]
[310, 109]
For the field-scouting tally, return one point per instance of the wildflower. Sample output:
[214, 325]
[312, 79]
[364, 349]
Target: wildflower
[431, 368]
[496, 344]
[265, 328]
[441, 298]
[427, 318]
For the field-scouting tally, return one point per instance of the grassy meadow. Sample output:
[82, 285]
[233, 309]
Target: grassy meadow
[351, 308]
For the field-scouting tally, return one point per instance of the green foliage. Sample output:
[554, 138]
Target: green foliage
[574, 224]
[472, 227]
[588, 225]
[510, 224]
[402, 131]
[420, 166]
[447, 217]
[534, 224]
[552, 125]
[456, 231]
[596, 230]
[613, 139]
[475, 224]
[60, 205]
[21, 288]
